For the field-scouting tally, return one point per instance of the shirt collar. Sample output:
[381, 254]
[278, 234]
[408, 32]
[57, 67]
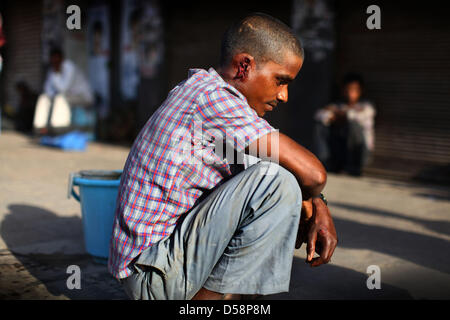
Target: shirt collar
[217, 76]
[213, 73]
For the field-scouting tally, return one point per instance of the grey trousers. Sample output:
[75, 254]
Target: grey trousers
[239, 239]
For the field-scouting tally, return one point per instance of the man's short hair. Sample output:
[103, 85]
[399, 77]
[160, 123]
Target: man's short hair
[262, 36]
[56, 51]
[353, 77]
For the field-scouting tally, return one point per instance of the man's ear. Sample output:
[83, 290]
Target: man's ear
[243, 64]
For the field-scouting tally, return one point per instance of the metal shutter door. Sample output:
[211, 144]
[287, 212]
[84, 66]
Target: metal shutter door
[406, 66]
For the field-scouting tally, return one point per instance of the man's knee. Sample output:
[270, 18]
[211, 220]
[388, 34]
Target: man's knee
[287, 184]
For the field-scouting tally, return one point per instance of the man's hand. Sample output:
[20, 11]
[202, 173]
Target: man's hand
[338, 115]
[306, 215]
[332, 107]
[318, 232]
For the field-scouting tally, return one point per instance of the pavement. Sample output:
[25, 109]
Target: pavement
[402, 229]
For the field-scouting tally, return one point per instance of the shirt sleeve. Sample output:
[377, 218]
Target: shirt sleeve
[225, 115]
[63, 83]
[324, 115]
[48, 88]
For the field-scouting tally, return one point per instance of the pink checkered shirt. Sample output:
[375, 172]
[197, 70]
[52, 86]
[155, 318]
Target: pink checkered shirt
[159, 182]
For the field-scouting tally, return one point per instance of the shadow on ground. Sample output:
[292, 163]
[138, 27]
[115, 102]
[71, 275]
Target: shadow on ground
[30, 275]
[26, 226]
[333, 282]
[424, 250]
[426, 190]
[440, 226]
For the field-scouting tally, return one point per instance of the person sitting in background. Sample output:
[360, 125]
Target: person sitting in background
[345, 130]
[65, 88]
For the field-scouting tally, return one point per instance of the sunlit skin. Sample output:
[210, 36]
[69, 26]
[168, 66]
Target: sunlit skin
[264, 84]
[352, 92]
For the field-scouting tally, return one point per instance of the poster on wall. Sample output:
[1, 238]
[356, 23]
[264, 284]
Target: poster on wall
[2, 40]
[152, 47]
[313, 22]
[98, 56]
[53, 23]
[141, 44]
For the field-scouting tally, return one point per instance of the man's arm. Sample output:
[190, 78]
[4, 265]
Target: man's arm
[316, 225]
[326, 115]
[308, 170]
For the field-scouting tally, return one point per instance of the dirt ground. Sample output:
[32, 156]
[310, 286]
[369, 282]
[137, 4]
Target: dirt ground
[402, 228]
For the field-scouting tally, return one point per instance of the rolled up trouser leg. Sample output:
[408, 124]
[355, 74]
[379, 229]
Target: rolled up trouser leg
[239, 239]
[41, 113]
[61, 115]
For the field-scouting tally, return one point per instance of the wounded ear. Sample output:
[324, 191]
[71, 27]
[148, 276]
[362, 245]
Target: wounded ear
[246, 63]
[243, 68]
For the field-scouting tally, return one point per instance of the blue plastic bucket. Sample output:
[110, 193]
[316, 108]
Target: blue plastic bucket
[98, 194]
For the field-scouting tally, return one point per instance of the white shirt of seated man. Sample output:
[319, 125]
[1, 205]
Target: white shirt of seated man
[69, 82]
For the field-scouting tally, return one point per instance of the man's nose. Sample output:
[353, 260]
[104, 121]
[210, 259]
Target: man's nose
[283, 95]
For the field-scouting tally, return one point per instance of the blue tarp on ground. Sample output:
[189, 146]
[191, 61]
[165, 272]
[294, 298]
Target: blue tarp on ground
[72, 141]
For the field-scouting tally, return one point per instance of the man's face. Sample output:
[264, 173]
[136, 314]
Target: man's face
[56, 61]
[352, 92]
[267, 85]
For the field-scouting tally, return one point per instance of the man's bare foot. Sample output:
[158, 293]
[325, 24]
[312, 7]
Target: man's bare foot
[250, 296]
[232, 296]
[205, 294]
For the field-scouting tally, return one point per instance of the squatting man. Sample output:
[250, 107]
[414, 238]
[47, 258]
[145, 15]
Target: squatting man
[209, 229]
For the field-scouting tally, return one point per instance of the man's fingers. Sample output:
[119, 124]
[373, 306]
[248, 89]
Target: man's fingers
[319, 247]
[327, 246]
[333, 244]
[299, 241]
[311, 245]
[300, 236]
[317, 262]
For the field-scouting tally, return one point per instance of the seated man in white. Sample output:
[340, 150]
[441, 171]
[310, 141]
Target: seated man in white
[65, 88]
